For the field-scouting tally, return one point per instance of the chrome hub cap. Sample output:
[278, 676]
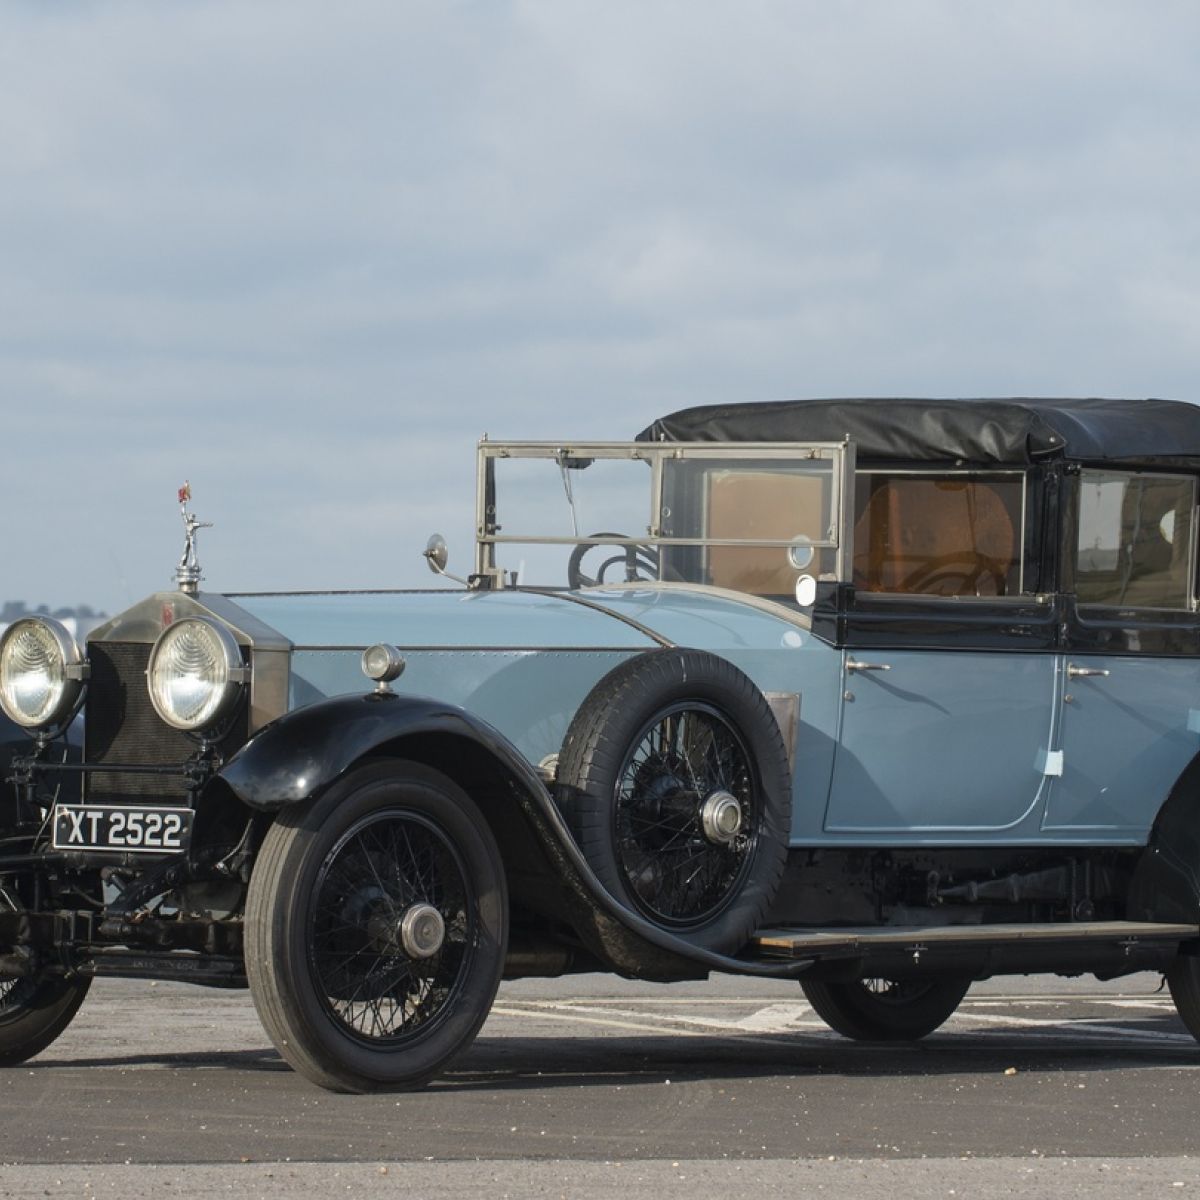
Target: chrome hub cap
[422, 931]
[721, 818]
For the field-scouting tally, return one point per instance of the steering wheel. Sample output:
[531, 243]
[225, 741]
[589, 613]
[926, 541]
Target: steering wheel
[641, 562]
[963, 570]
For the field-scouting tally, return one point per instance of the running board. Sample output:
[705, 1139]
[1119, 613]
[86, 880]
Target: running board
[1002, 949]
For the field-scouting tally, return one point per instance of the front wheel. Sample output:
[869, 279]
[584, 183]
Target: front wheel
[886, 1010]
[34, 1012]
[376, 926]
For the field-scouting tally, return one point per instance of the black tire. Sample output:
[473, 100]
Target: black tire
[34, 1012]
[343, 996]
[658, 737]
[885, 1010]
[1183, 980]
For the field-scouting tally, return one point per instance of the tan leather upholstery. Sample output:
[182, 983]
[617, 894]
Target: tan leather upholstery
[945, 537]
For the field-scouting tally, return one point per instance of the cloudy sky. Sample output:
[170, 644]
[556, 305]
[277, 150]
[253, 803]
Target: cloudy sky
[304, 254]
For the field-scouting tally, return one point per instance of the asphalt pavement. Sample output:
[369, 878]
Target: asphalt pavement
[582, 1085]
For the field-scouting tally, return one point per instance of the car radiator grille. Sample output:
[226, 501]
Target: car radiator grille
[121, 727]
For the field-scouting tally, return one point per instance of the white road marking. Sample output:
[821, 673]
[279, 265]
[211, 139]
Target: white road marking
[1078, 1025]
[672, 1024]
[797, 1019]
[571, 1014]
[775, 1018]
[779, 1018]
[1164, 1005]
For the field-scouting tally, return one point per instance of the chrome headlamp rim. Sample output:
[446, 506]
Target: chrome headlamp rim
[66, 674]
[226, 689]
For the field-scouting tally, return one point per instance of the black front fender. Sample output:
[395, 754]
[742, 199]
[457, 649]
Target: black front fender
[302, 753]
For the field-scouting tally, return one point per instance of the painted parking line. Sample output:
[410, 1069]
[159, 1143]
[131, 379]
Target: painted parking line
[1088, 1026]
[669, 1024]
[774, 1018]
[777, 1019]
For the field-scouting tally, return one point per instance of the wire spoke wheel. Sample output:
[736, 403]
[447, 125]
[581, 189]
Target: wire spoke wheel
[33, 1012]
[674, 778]
[385, 866]
[376, 928]
[676, 873]
[886, 1010]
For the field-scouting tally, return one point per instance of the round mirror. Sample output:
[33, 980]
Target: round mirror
[800, 553]
[437, 554]
[806, 591]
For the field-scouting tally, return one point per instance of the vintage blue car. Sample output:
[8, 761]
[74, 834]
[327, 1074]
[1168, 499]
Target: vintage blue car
[881, 696]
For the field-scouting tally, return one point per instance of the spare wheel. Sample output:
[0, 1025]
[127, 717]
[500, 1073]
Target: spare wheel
[674, 779]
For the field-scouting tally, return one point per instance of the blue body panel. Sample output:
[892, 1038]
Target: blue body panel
[450, 619]
[944, 745]
[1126, 737]
[522, 661]
[945, 748]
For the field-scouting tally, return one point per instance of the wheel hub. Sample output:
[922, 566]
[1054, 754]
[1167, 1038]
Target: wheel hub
[721, 818]
[422, 931]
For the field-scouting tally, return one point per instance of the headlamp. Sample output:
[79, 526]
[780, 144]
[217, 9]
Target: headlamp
[41, 672]
[195, 674]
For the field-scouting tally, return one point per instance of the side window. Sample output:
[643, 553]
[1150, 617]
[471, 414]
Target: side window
[1134, 547]
[938, 535]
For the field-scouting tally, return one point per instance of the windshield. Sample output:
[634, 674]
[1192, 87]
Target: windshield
[749, 518]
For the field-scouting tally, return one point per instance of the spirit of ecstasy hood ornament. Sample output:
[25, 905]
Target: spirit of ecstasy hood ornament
[187, 574]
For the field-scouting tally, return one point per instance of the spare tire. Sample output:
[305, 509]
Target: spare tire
[674, 779]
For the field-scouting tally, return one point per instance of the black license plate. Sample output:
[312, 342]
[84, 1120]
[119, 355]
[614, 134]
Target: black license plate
[100, 827]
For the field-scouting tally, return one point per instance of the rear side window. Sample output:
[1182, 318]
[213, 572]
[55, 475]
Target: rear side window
[1134, 548]
[938, 535]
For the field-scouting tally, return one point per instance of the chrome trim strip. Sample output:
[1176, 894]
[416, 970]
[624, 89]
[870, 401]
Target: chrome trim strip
[773, 607]
[633, 623]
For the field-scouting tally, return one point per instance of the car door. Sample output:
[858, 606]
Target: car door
[1130, 694]
[947, 727]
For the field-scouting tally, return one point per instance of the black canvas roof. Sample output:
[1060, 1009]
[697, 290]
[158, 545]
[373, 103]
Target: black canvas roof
[1010, 432]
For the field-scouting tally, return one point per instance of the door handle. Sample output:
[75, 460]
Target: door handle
[1074, 672]
[854, 665]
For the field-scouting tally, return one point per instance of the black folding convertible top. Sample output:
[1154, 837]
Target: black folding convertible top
[1018, 431]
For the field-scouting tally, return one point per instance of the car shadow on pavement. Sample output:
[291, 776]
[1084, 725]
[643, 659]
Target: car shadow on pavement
[517, 1063]
[514, 1063]
[266, 1059]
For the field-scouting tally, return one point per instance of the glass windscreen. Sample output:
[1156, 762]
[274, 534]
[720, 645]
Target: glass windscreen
[577, 518]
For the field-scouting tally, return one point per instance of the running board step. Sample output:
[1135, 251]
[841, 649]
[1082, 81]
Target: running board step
[915, 939]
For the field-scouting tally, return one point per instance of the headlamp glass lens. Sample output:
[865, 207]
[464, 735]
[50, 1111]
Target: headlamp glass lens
[32, 673]
[189, 674]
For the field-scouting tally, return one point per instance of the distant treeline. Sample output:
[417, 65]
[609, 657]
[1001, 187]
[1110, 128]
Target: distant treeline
[14, 610]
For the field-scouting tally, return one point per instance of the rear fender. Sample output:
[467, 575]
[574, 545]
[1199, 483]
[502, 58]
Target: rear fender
[1166, 881]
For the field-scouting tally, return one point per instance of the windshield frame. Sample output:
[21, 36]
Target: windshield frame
[489, 523]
